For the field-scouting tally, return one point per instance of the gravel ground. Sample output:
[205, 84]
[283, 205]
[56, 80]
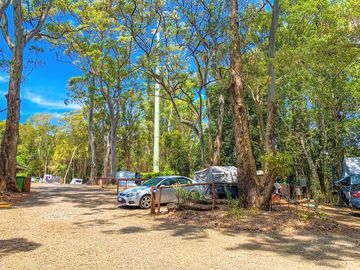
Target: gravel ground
[77, 227]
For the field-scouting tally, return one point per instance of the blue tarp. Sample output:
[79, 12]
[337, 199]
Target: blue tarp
[351, 166]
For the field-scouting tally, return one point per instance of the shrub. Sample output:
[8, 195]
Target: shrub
[149, 175]
[234, 209]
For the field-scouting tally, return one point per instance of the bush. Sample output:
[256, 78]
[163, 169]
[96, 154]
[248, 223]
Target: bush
[150, 175]
[186, 197]
[234, 210]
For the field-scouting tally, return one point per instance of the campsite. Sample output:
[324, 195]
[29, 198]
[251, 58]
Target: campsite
[179, 134]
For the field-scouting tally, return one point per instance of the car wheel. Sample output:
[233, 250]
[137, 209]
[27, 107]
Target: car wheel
[145, 202]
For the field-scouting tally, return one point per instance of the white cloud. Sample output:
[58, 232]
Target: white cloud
[4, 78]
[43, 101]
[57, 115]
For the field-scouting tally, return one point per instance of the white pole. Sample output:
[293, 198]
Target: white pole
[156, 159]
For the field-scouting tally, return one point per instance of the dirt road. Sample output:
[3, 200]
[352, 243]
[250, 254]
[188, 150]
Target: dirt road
[77, 227]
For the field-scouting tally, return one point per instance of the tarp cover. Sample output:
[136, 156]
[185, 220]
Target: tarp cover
[225, 174]
[351, 166]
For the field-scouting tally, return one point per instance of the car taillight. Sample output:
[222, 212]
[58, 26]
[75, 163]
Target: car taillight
[355, 194]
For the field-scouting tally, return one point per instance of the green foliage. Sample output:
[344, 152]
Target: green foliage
[323, 216]
[280, 165]
[304, 217]
[234, 209]
[186, 197]
[178, 154]
[149, 175]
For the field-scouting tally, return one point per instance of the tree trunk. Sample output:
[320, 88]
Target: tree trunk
[314, 175]
[209, 120]
[268, 180]
[257, 101]
[91, 136]
[247, 177]
[10, 139]
[219, 129]
[202, 150]
[68, 168]
[46, 157]
[169, 120]
[271, 106]
[113, 141]
[8, 149]
[106, 154]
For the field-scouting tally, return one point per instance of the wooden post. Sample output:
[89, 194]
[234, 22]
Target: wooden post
[213, 195]
[117, 187]
[153, 200]
[288, 193]
[27, 184]
[159, 200]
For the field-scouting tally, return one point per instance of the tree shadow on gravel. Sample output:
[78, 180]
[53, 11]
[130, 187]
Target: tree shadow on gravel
[185, 231]
[93, 223]
[16, 245]
[126, 230]
[82, 196]
[327, 250]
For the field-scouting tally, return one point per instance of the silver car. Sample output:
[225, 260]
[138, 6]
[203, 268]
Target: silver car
[140, 195]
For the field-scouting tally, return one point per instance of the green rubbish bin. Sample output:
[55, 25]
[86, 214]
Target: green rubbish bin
[20, 182]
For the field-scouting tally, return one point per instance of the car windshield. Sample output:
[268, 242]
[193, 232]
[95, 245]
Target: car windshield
[153, 182]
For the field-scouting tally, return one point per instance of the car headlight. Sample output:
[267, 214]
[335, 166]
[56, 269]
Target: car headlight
[130, 195]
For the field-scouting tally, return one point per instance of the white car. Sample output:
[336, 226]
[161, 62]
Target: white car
[76, 181]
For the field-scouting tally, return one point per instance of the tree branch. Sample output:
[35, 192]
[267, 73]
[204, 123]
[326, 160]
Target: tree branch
[5, 31]
[66, 31]
[41, 22]
[3, 6]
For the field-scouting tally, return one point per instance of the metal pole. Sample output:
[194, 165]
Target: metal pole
[156, 158]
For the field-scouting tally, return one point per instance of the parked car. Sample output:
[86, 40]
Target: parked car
[76, 181]
[349, 189]
[140, 195]
[36, 179]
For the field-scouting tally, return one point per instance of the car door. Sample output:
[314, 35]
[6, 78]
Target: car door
[185, 181]
[168, 194]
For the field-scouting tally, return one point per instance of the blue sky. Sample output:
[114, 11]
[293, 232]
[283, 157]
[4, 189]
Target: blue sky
[44, 90]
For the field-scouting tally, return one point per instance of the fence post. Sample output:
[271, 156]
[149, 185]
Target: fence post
[159, 200]
[153, 198]
[213, 195]
[117, 187]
